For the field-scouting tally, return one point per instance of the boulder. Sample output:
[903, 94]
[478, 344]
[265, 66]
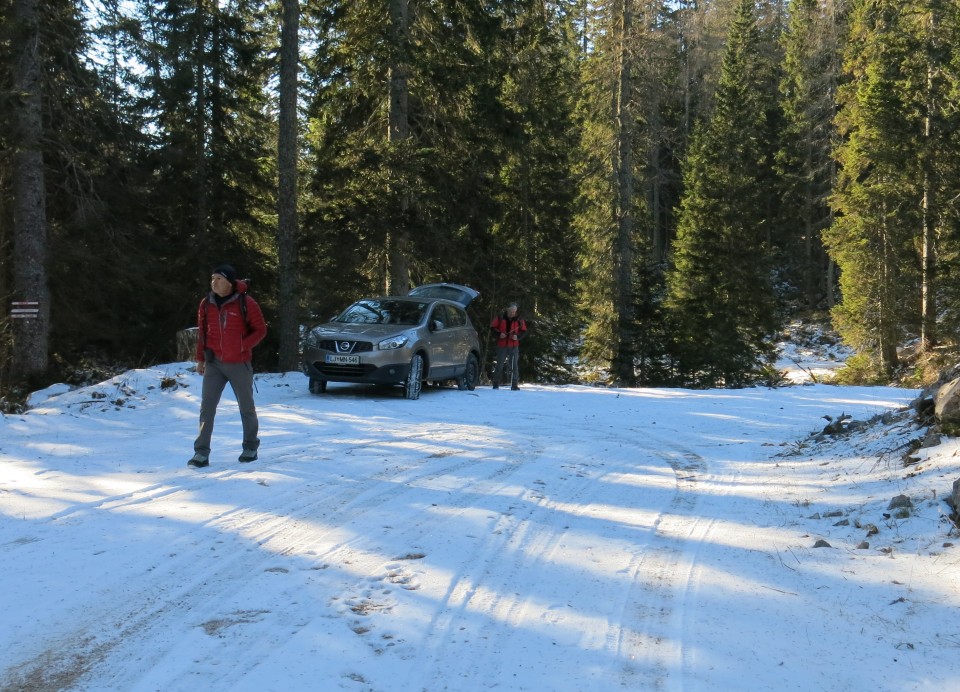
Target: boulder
[900, 502]
[931, 439]
[947, 402]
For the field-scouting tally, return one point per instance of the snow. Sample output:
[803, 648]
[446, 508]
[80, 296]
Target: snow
[809, 353]
[555, 538]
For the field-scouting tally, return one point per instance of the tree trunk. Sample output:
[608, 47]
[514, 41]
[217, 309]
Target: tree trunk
[810, 255]
[886, 322]
[202, 200]
[928, 309]
[928, 285]
[30, 333]
[623, 365]
[398, 242]
[287, 193]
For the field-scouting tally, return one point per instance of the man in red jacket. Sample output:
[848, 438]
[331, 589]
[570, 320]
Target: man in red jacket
[230, 324]
[508, 328]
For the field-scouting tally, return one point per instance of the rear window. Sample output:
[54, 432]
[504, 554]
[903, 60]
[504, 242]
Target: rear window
[402, 312]
[457, 294]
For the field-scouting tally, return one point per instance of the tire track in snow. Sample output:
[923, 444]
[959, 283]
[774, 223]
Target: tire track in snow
[484, 583]
[204, 591]
[372, 568]
[663, 600]
[372, 595]
[645, 633]
[651, 632]
[531, 539]
[307, 527]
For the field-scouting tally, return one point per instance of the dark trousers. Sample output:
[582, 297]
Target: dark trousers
[510, 356]
[215, 378]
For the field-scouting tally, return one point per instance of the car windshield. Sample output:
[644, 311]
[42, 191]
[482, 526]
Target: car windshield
[403, 312]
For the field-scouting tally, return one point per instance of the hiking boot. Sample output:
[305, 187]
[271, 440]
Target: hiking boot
[199, 461]
[515, 387]
[247, 455]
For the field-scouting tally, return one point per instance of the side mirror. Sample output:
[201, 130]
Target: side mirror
[436, 325]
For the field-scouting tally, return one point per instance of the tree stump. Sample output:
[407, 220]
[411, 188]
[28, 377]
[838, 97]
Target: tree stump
[187, 344]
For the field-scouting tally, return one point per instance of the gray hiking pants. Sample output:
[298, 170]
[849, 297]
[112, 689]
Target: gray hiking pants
[215, 378]
[507, 356]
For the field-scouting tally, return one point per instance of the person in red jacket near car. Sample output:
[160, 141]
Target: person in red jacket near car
[508, 329]
[230, 324]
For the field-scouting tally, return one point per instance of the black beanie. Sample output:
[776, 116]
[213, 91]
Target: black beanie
[227, 272]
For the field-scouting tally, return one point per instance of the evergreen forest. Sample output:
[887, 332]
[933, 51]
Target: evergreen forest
[660, 185]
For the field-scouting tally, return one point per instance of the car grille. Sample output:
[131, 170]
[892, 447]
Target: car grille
[338, 346]
[339, 370]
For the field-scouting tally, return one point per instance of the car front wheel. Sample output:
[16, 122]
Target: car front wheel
[317, 386]
[471, 373]
[411, 388]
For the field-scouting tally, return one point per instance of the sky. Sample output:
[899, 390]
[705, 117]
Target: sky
[553, 538]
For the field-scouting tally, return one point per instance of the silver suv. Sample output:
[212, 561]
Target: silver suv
[424, 336]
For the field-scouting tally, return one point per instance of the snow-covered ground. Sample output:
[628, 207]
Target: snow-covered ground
[555, 538]
[810, 353]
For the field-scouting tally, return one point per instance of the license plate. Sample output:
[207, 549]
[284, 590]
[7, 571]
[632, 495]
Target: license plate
[343, 360]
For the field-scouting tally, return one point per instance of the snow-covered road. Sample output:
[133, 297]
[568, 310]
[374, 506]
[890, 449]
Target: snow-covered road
[555, 538]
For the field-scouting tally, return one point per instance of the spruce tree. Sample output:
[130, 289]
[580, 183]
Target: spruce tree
[720, 300]
[215, 140]
[477, 189]
[419, 184]
[31, 336]
[288, 154]
[94, 197]
[628, 132]
[947, 258]
[808, 88]
[535, 255]
[884, 180]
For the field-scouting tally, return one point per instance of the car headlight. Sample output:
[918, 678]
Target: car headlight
[393, 342]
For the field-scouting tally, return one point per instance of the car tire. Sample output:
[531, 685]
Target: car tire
[413, 384]
[471, 373]
[317, 386]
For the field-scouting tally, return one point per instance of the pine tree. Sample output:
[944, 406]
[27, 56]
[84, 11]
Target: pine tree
[947, 168]
[476, 188]
[808, 93]
[535, 255]
[628, 135]
[206, 85]
[884, 181]
[720, 300]
[30, 247]
[288, 153]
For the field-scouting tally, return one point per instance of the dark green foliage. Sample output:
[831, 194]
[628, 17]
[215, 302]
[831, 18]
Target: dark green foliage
[101, 261]
[481, 187]
[811, 75]
[213, 133]
[720, 299]
[538, 159]
[631, 114]
[947, 151]
[212, 152]
[885, 175]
